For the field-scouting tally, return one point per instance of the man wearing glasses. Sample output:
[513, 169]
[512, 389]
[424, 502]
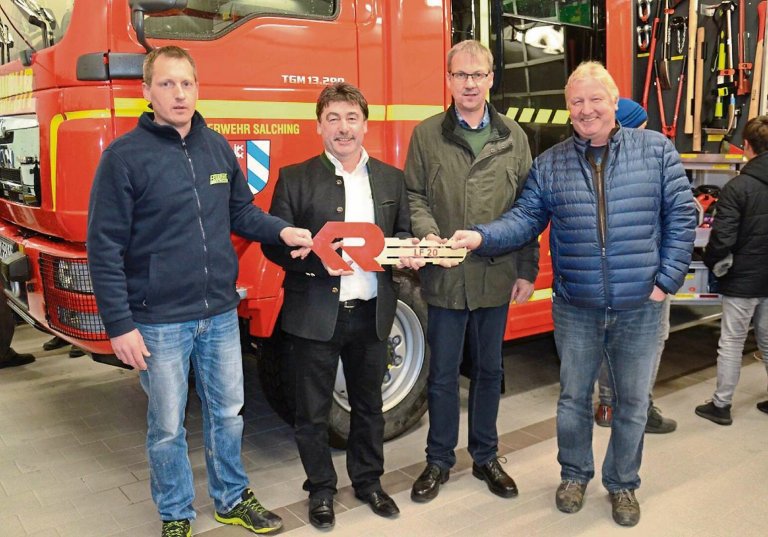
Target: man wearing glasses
[466, 166]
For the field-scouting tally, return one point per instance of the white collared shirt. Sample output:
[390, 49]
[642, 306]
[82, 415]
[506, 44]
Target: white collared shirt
[358, 207]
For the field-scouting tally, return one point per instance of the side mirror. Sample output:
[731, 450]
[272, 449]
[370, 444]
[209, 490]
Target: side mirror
[140, 7]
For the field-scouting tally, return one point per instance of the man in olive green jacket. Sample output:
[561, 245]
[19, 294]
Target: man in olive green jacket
[467, 166]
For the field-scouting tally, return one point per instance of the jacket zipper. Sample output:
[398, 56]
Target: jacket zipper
[199, 221]
[599, 181]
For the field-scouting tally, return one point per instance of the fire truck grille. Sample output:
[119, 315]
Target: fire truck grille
[69, 301]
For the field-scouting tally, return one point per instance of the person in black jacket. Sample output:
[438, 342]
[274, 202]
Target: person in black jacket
[740, 233]
[164, 201]
[332, 313]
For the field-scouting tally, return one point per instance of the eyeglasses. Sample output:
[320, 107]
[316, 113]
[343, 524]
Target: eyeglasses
[462, 77]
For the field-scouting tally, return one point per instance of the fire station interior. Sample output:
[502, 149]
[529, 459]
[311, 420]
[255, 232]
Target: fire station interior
[72, 431]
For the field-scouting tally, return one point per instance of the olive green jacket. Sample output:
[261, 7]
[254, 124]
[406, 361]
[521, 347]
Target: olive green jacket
[450, 189]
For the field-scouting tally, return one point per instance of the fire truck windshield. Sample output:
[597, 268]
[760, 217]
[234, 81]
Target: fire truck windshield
[31, 24]
[205, 20]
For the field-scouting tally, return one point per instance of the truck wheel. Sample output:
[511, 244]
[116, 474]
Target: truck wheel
[276, 374]
[404, 387]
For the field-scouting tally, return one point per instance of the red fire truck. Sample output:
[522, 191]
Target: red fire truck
[70, 82]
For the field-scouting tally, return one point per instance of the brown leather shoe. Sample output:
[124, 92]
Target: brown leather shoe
[569, 497]
[625, 507]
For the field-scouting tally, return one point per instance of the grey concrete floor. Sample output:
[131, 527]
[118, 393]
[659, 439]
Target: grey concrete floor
[72, 459]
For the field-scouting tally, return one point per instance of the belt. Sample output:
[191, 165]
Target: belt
[352, 304]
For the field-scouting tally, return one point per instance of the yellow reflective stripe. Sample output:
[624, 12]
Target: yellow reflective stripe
[412, 112]
[56, 122]
[130, 107]
[255, 109]
[526, 115]
[376, 112]
[543, 116]
[561, 117]
[541, 294]
[219, 109]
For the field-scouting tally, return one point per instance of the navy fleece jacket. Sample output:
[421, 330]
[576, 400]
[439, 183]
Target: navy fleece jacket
[159, 222]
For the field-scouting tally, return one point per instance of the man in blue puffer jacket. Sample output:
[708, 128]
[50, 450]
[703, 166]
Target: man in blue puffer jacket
[622, 228]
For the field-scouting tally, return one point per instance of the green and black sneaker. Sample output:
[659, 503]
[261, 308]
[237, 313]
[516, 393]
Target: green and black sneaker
[251, 515]
[177, 528]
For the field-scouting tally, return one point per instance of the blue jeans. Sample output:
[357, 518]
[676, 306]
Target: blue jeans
[213, 347]
[627, 340]
[484, 331]
[604, 383]
[734, 328]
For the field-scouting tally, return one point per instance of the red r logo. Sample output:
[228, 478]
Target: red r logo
[364, 255]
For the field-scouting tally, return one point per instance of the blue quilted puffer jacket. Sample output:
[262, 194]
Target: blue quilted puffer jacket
[608, 250]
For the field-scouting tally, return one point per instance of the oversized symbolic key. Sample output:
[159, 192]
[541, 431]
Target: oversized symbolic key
[375, 250]
[431, 251]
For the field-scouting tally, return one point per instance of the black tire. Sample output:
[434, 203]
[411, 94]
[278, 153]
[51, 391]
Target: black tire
[275, 366]
[405, 388]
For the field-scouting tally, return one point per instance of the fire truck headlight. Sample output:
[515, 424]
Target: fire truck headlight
[80, 320]
[73, 275]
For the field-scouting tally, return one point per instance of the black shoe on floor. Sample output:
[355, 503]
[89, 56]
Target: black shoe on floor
[55, 343]
[658, 424]
[381, 503]
[76, 352]
[721, 416]
[321, 513]
[251, 515]
[762, 406]
[496, 478]
[13, 358]
[427, 485]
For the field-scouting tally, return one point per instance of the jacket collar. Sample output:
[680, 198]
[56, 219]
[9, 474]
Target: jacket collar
[757, 167]
[582, 144]
[147, 122]
[450, 123]
[328, 165]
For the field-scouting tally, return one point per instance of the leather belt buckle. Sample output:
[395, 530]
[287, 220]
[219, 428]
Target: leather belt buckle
[351, 304]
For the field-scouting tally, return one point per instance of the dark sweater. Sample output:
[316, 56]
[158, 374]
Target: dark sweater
[159, 222]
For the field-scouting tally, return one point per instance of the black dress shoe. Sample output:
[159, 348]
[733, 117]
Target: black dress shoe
[54, 343]
[427, 486]
[321, 513]
[380, 503]
[76, 352]
[496, 478]
[13, 359]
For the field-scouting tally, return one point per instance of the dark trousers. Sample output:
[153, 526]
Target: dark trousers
[364, 359]
[484, 331]
[7, 326]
